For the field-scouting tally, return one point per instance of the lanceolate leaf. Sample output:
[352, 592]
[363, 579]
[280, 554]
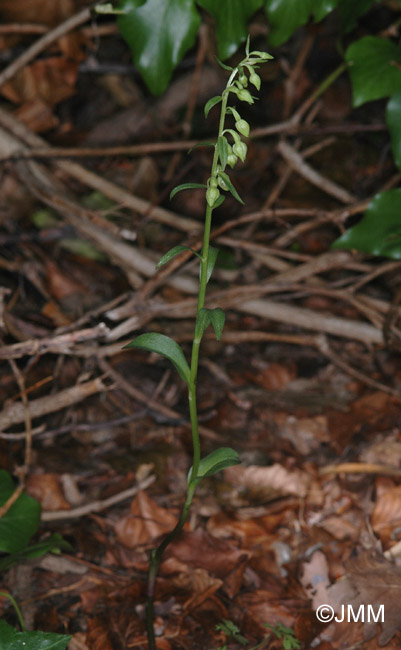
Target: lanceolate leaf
[230, 186]
[216, 461]
[379, 232]
[202, 323]
[217, 318]
[21, 521]
[231, 18]
[211, 261]
[165, 346]
[393, 119]
[212, 102]
[159, 32]
[206, 317]
[172, 253]
[222, 148]
[374, 68]
[187, 186]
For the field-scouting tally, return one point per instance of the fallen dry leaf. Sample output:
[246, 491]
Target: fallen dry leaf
[145, 523]
[369, 580]
[271, 481]
[51, 79]
[47, 490]
[386, 514]
[200, 549]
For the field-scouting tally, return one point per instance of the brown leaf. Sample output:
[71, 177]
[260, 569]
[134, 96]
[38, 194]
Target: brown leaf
[145, 523]
[46, 489]
[386, 514]
[376, 581]
[272, 480]
[199, 549]
[275, 376]
[51, 80]
[45, 12]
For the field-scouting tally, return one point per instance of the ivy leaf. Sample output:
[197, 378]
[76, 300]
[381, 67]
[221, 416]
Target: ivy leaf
[379, 231]
[211, 261]
[217, 319]
[11, 639]
[223, 151]
[21, 521]
[165, 346]
[230, 186]
[231, 18]
[173, 252]
[374, 68]
[212, 102]
[393, 119]
[186, 186]
[285, 16]
[215, 462]
[158, 33]
[350, 12]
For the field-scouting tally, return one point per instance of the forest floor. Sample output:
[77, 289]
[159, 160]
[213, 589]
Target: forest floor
[305, 383]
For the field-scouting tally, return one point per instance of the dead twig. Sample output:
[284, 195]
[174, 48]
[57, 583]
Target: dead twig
[55, 345]
[15, 413]
[43, 42]
[98, 506]
[298, 164]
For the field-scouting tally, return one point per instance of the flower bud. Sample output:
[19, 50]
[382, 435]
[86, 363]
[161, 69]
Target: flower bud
[245, 96]
[222, 184]
[212, 194]
[254, 79]
[261, 55]
[232, 160]
[212, 182]
[243, 79]
[240, 149]
[242, 127]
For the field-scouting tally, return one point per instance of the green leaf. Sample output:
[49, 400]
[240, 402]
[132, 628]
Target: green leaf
[285, 16]
[202, 144]
[187, 186]
[202, 323]
[231, 18]
[172, 253]
[219, 201]
[351, 11]
[230, 186]
[212, 102]
[53, 544]
[379, 231]
[223, 150]
[223, 65]
[375, 68]
[321, 8]
[165, 346]
[211, 261]
[393, 119]
[21, 521]
[10, 639]
[216, 461]
[158, 33]
[217, 318]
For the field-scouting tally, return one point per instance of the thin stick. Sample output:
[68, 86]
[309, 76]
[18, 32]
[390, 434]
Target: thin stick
[43, 42]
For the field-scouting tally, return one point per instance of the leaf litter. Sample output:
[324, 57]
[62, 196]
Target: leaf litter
[270, 540]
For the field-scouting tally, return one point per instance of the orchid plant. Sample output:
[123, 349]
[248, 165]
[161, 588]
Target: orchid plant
[228, 149]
